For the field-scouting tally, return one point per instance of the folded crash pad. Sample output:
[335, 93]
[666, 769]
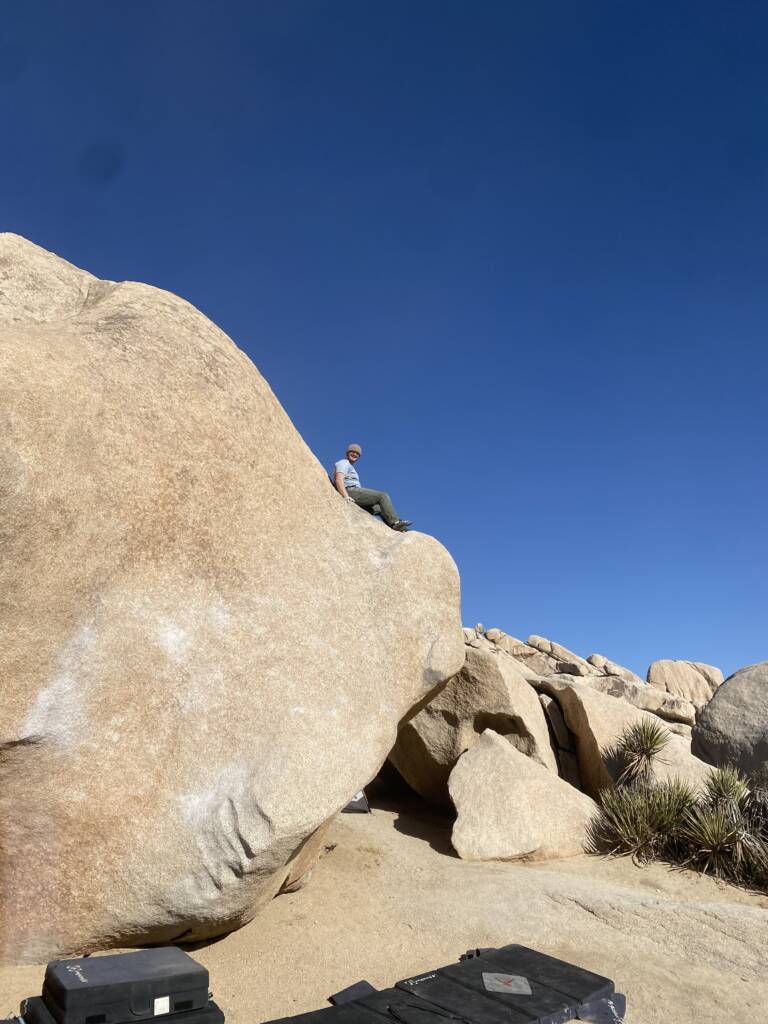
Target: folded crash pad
[511, 985]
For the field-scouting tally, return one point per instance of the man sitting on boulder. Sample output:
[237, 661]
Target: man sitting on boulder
[347, 483]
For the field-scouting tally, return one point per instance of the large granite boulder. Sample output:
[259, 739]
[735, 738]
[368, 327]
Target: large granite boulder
[733, 727]
[206, 651]
[691, 680]
[597, 720]
[509, 807]
[490, 691]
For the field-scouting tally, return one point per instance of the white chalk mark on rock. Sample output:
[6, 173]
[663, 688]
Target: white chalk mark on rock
[59, 709]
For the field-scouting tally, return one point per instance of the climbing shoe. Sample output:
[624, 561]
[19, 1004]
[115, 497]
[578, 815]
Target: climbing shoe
[402, 525]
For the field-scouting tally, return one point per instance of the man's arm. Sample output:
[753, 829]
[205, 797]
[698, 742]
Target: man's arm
[340, 486]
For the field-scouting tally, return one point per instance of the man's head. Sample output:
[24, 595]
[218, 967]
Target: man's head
[354, 451]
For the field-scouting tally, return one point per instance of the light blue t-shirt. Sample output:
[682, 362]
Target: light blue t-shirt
[351, 479]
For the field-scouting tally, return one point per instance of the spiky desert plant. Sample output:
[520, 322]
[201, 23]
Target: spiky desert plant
[642, 820]
[721, 842]
[726, 786]
[670, 802]
[757, 811]
[759, 778]
[638, 749]
[622, 825]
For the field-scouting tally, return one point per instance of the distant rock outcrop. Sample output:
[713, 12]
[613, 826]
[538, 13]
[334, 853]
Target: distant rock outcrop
[733, 727]
[692, 680]
[206, 651]
[646, 698]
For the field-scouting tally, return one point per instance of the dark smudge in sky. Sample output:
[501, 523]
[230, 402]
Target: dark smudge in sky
[101, 162]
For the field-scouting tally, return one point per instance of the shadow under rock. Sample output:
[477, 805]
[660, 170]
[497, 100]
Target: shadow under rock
[417, 818]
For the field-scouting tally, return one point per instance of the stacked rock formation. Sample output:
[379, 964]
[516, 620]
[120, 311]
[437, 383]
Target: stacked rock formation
[558, 711]
[200, 664]
[488, 693]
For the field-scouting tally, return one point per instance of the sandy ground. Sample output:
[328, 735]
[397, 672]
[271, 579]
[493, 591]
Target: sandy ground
[391, 899]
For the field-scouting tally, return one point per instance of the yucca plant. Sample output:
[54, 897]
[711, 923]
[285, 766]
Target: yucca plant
[726, 786]
[758, 805]
[723, 829]
[637, 750]
[719, 840]
[757, 812]
[641, 820]
[670, 802]
[623, 824]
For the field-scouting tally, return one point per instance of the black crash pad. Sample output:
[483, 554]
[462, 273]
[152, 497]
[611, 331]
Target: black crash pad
[511, 985]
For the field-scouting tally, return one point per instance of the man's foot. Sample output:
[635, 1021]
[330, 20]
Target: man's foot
[402, 525]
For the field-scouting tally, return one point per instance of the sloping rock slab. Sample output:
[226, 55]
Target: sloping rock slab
[647, 698]
[733, 727]
[511, 808]
[490, 691]
[206, 651]
[598, 722]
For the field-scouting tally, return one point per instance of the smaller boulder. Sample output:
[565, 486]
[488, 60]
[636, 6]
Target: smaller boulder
[573, 668]
[557, 655]
[691, 680]
[612, 668]
[491, 691]
[510, 808]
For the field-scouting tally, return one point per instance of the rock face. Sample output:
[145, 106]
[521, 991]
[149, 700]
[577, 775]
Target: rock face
[647, 698]
[733, 727]
[490, 691]
[597, 720]
[691, 680]
[509, 807]
[587, 704]
[610, 668]
[200, 664]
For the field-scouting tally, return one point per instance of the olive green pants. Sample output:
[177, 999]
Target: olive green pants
[367, 499]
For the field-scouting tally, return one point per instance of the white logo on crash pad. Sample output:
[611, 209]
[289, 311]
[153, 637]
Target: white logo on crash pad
[512, 984]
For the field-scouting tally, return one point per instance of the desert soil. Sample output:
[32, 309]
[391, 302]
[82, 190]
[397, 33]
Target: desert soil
[390, 899]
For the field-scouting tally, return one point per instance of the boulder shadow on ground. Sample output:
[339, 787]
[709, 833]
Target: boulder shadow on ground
[415, 817]
[434, 828]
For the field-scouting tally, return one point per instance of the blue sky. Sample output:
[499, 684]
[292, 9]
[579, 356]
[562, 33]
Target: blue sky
[517, 250]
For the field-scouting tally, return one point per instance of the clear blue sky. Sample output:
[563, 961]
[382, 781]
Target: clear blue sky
[516, 249]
